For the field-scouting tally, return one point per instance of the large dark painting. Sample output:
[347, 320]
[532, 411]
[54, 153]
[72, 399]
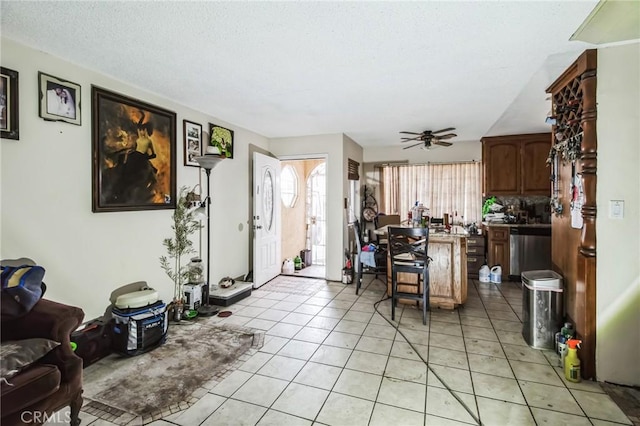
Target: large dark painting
[134, 154]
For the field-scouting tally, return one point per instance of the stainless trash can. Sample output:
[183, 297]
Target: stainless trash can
[542, 307]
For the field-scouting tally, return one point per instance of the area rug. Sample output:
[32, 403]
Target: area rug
[171, 377]
[294, 285]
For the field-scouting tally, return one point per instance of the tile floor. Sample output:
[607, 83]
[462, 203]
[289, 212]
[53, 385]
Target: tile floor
[331, 359]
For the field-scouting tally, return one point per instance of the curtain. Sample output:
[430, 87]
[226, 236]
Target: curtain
[454, 188]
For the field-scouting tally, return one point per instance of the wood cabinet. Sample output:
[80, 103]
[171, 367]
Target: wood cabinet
[476, 255]
[516, 164]
[499, 248]
[573, 251]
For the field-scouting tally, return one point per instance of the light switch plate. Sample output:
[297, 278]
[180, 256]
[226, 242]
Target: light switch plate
[616, 209]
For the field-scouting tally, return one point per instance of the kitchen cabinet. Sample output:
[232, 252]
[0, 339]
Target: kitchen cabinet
[516, 164]
[475, 255]
[499, 248]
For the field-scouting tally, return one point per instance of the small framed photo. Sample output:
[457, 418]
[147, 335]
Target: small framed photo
[192, 142]
[59, 99]
[221, 141]
[9, 123]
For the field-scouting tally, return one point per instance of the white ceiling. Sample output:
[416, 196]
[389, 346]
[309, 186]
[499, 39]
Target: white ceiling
[366, 69]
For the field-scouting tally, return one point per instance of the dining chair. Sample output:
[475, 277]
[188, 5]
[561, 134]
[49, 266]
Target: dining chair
[366, 261]
[384, 220]
[408, 254]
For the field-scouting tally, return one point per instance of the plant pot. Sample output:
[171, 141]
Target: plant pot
[178, 308]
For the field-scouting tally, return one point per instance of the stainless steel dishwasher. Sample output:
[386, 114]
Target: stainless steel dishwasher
[529, 249]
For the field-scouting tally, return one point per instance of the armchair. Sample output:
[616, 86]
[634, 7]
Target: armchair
[52, 382]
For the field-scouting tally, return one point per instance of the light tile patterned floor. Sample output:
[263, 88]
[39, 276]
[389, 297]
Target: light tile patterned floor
[331, 359]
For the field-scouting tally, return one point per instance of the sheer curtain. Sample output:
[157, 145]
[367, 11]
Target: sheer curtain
[454, 188]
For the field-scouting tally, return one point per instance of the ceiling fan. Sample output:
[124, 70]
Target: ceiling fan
[427, 138]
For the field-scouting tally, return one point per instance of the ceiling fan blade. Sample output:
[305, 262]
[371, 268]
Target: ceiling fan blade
[443, 143]
[411, 146]
[444, 130]
[447, 136]
[412, 133]
[410, 139]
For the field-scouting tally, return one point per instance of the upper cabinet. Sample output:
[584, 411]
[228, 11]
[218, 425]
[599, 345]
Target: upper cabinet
[516, 164]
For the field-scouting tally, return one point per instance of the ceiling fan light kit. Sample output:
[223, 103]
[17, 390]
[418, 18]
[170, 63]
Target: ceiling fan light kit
[429, 138]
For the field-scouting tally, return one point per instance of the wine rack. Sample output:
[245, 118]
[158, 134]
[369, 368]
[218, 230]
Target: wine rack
[568, 109]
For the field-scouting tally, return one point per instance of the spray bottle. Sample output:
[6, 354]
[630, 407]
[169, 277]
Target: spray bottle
[572, 362]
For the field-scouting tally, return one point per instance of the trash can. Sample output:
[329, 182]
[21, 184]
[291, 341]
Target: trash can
[542, 307]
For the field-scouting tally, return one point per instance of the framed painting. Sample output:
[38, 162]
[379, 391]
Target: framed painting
[192, 142]
[134, 154]
[221, 141]
[9, 122]
[59, 99]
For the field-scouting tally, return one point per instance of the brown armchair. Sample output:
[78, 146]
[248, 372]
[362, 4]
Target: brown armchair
[52, 382]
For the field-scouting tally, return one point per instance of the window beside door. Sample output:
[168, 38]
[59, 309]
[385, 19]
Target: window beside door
[288, 186]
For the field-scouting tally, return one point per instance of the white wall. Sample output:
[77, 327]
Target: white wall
[331, 146]
[618, 269]
[45, 188]
[459, 151]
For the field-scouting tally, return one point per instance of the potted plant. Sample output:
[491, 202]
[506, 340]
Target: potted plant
[180, 245]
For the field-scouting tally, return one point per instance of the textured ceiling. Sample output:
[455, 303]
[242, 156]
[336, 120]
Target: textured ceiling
[367, 69]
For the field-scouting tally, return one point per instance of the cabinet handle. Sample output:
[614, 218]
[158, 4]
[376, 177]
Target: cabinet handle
[471, 260]
[471, 250]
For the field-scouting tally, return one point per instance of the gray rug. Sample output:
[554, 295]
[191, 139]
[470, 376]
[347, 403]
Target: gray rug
[168, 379]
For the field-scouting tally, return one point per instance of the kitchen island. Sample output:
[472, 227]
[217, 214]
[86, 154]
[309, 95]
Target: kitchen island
[447, 271]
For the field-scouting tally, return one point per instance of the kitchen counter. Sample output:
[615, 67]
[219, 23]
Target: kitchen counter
[435, 234]
[519, 225]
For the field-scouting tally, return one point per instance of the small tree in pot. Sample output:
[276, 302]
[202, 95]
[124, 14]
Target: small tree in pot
[184, 225]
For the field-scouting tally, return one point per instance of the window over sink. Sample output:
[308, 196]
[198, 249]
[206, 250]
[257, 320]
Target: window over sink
[453, 188]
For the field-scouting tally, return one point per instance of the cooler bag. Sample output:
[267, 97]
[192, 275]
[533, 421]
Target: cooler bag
[138, 330]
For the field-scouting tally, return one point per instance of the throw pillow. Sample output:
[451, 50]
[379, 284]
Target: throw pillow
[18, 354]
[22, 288]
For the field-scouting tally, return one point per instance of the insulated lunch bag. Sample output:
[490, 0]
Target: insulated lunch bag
[138, 330]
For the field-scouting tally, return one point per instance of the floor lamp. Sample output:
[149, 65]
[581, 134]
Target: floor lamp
[207, 162]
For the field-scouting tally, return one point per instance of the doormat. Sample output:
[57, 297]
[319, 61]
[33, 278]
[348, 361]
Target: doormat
[170, 378]
[294, 285]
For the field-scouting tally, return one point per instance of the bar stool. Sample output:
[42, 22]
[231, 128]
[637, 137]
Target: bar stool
[408, 254]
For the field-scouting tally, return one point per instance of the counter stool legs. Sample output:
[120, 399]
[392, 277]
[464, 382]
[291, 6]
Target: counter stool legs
[394, 283]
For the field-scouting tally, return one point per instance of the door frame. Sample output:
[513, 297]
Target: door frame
[325, 158]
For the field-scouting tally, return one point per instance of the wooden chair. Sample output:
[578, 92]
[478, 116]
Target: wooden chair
[408, 254]
[361, 268]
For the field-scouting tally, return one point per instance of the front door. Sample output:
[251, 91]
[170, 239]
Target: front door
[266, 218]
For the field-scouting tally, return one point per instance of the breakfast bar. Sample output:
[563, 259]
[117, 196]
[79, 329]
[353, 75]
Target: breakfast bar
[447, 271]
